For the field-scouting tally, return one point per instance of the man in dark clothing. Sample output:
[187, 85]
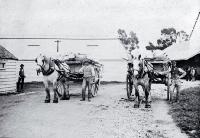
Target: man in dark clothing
[21, 79]
[188, 77]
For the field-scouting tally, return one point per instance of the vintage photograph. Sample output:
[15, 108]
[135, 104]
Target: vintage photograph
[99, 68]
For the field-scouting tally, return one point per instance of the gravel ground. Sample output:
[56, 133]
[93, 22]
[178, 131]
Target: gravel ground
[107, 115]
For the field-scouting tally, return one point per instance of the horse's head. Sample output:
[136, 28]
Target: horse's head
[41, 63]
[40, 59]
[138, 66]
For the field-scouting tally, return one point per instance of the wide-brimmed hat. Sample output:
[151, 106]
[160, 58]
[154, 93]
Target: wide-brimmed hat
[21, 65]
[86, 61]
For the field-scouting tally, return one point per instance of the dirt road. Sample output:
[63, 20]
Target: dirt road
[107, 115]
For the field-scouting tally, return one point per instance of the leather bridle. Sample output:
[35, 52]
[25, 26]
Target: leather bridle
[44, 72]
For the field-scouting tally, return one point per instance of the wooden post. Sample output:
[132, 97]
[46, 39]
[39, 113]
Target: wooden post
[194, 25]
[57, 41]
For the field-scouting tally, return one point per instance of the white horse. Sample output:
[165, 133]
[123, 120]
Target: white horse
[51, 73]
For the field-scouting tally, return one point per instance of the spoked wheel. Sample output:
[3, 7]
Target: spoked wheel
[95, 88]
[60, 89]
[168, 89]
[129, 86]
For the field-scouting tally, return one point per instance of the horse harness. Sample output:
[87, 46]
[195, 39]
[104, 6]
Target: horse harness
[50, 70]
[142, 71]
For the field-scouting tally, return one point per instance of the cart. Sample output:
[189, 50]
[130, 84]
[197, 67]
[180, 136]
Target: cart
[161, 74]
[74, 76]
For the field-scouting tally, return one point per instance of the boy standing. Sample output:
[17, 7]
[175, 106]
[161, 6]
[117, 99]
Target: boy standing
[88, 78]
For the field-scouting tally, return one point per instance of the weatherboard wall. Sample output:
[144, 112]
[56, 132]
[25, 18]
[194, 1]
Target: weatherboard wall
[8, 75]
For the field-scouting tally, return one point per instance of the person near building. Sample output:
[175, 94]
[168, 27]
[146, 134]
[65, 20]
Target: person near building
[188, 76]
[175, 80]
[193, 72]
[20, 83]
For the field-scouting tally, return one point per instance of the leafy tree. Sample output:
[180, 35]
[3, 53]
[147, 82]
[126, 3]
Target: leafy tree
[168, 31]
[168, 37]
[129, 42]
[183, 36]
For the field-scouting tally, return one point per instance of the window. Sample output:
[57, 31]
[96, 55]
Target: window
[2, 65]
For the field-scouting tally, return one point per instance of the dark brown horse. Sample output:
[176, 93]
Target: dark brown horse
[141, 77]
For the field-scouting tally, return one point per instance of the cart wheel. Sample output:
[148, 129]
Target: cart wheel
[129, 86]
[168, 88]
[95, 88]
[60, 89]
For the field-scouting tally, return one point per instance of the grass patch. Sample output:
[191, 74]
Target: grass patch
[186, 113]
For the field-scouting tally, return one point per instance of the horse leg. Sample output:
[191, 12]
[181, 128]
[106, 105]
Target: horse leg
[137, 102]
[66, 92]
[55, 98]
[65, 95]
[147, 103]
[47, 100]
[150, 82]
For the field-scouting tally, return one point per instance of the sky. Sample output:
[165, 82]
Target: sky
[89, 19]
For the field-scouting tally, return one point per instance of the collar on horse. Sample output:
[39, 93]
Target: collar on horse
[142, 71]
[50, 70]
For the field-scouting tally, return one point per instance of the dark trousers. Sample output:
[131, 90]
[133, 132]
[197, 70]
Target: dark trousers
[188, 77]
[87, 82]
[20, 84]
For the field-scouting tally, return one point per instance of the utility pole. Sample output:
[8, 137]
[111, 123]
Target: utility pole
[57, 41]
[194, 25]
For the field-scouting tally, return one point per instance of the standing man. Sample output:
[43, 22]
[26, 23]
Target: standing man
[188, 73]
[21, 79]
[88, 79]
[175, 79]
[193, 74]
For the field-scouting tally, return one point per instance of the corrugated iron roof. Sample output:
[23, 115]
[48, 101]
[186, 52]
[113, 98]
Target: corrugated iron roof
[5, 54]
[185, 50]
[182, 51]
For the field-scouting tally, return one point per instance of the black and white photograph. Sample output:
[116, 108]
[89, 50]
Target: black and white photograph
[99, 68]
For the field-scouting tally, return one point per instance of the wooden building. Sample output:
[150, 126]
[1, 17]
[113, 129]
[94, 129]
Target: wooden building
[8, 71]
[186, 55]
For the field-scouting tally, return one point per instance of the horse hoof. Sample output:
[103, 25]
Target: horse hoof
[46, 101]
[142, 101]
[147, 106]
[55, 101]
[63, 98]
[68, 97]
[136, 105]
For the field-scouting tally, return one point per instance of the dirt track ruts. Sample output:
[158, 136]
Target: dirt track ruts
[107, 115]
